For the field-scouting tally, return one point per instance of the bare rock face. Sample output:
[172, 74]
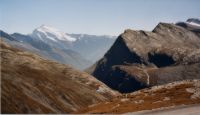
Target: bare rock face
[140, 59]
[31, 84]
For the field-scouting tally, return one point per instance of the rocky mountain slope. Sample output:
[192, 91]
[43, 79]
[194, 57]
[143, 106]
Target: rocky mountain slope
[141, 59]
[169, 95]
[31, 84]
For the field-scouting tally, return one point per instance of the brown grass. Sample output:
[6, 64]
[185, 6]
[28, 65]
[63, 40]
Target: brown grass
[152, 99]
[31, 84]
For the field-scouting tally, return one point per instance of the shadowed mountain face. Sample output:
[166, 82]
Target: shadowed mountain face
[31, 84]
[161, 60]
[141, 59]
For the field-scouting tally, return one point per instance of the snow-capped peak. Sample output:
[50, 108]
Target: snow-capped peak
[51, 33]
[194, 21]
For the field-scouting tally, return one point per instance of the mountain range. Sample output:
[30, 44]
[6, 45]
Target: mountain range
[77, 50]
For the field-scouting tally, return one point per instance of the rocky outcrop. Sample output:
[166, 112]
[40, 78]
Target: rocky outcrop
[168, 53]
[31, 84]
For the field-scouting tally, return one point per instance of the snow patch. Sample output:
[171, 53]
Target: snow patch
[81, 36]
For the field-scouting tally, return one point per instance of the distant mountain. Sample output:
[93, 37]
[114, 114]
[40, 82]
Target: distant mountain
[7, 36]
[140, 59]
[31, 84]
[78, 50]
[47, 50]
[92, 47]
[49, 33]
[194, 21]
[52, 37]
[192, 24]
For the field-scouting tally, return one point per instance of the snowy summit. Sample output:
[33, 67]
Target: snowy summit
[44, 32]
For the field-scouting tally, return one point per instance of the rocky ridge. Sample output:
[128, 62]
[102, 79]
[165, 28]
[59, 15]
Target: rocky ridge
[168, 53]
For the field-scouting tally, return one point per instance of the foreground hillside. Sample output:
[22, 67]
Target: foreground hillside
[172, 94]
[31, 84]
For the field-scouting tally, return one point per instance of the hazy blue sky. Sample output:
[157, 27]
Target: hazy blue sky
[110, 17]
